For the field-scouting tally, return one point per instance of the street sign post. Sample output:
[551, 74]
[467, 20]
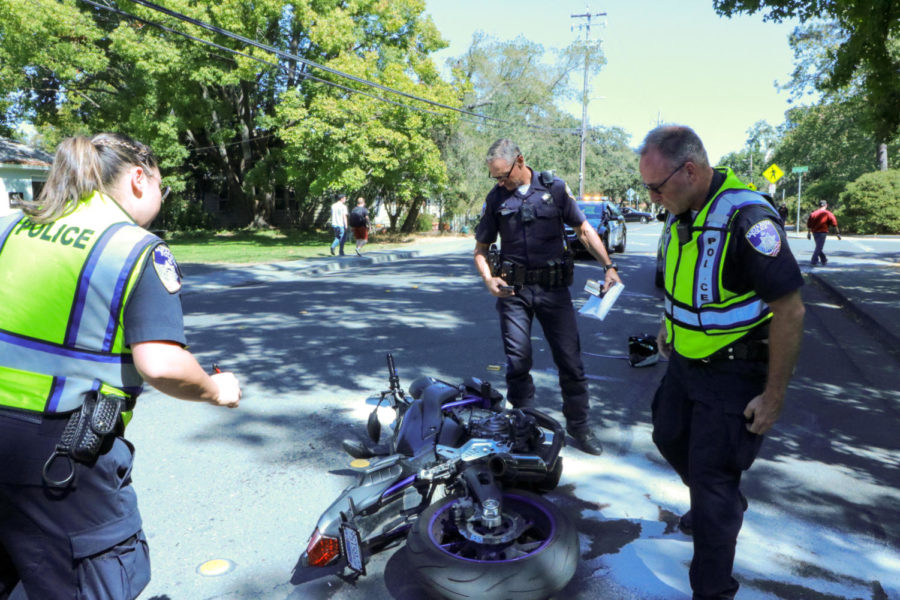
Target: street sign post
[799, 171]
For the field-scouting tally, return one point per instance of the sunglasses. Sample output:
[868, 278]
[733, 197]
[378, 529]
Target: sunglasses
[656, 188]
[500, 178]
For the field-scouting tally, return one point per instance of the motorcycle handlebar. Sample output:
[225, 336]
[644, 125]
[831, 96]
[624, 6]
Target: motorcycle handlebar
[392, 371]
[393, 378]
[551, 424]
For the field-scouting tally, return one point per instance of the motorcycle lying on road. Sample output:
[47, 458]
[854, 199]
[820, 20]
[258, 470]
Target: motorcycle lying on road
[460, 477]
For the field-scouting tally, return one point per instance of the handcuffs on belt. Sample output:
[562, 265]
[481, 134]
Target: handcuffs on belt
[86, 430]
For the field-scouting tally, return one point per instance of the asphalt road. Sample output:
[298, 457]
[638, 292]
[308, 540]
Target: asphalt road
[248, 485]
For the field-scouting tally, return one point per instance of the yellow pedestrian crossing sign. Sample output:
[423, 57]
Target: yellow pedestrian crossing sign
[773, 173]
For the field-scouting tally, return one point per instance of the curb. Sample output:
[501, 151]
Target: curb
[887, 339]
[221, 277]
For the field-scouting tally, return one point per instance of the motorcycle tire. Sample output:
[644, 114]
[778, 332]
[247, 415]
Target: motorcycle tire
[534, 566]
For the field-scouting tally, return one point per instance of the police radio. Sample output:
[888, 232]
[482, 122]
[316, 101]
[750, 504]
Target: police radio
[493, 258]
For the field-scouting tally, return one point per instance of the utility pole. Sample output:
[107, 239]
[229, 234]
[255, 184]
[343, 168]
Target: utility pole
[588, 15]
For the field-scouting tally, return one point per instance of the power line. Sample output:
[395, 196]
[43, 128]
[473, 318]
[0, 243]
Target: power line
[255, 58]
[288, 55]
[306, 75]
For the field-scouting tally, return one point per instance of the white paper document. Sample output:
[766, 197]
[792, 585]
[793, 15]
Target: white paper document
[597, 307]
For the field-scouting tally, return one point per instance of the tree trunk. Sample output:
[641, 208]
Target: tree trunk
[882, 157]
[409, 225]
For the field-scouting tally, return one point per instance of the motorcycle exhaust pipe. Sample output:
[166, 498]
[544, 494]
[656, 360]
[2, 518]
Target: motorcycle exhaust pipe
[502, 465]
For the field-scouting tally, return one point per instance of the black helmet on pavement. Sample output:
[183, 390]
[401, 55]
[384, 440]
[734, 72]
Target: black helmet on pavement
[642, 350]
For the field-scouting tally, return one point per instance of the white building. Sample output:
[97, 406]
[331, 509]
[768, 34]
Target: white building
[23, 171]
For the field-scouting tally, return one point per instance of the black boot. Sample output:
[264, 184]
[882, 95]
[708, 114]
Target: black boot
[586, 441]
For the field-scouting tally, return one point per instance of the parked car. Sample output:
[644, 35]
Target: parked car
[632, 214]
[609, 223]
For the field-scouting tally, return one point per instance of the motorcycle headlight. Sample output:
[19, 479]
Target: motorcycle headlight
[322, 549]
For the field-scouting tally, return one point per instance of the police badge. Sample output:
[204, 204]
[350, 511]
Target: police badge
[166, 268]
[764, 238]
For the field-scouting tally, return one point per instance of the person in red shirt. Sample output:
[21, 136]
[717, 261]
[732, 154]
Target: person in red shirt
[818, 224]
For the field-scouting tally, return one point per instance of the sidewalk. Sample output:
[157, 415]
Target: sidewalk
[200, 277]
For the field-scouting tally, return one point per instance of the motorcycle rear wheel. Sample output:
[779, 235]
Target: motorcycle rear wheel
[534, 566]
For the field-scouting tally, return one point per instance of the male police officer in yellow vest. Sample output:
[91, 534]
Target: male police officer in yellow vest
[733, 324]
[89, 309]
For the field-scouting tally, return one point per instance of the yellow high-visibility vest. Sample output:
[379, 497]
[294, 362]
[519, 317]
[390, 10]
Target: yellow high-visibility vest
[63, 290]
[702, 315]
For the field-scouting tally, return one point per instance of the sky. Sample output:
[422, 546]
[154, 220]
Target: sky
[672, 61]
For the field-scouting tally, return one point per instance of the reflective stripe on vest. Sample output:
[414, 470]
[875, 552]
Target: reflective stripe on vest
[702, 316]
[739, 316]
[49, 358]
[95, 311]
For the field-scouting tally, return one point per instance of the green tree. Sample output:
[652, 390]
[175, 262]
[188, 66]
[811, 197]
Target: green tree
[867, 53]
[230, 123]
[517, 83]
[871, 204]
[825, 138]
[751, 161]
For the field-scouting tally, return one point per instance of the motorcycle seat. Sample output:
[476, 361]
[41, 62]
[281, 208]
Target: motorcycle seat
[422, 421]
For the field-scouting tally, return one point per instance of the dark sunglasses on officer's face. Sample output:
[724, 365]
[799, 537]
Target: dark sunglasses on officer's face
[656, 188]
[508, 173]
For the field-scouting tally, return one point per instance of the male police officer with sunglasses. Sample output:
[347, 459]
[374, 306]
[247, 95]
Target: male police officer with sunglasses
[530, 278]
[733, 324]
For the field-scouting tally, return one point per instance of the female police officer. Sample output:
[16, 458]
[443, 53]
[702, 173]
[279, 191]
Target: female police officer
[89, 307]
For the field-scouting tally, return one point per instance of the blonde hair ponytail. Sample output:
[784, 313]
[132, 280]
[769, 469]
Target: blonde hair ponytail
[83, 166]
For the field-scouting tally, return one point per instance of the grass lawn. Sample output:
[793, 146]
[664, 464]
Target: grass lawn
[263, 246]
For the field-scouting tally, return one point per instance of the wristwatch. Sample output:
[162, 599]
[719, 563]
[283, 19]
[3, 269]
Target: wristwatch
[611, 265]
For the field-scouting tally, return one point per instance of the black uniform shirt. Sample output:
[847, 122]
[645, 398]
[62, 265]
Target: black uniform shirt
[153, 313]
[771, 275]
[530, 225]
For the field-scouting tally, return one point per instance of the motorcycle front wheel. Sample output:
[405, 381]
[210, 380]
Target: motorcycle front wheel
[539, 562]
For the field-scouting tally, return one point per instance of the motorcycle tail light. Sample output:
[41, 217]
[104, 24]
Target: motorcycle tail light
[322, 549]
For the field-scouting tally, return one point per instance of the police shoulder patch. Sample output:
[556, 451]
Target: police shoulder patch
[166, 268]
[764, 237]
[569, 192]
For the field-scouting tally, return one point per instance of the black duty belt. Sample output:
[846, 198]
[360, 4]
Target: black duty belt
[756, 350]
[549, 276]
[558, 273]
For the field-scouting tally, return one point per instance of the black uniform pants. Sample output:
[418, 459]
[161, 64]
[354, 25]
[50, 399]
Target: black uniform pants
[699, 427]
[554, 311]
[84, 541]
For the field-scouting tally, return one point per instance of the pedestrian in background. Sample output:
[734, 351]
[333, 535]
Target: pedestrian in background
[818, 224]
[90, 307]
[527, 210]
[359, 222]
[783, 213]
[732, 330]
[339, 223]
